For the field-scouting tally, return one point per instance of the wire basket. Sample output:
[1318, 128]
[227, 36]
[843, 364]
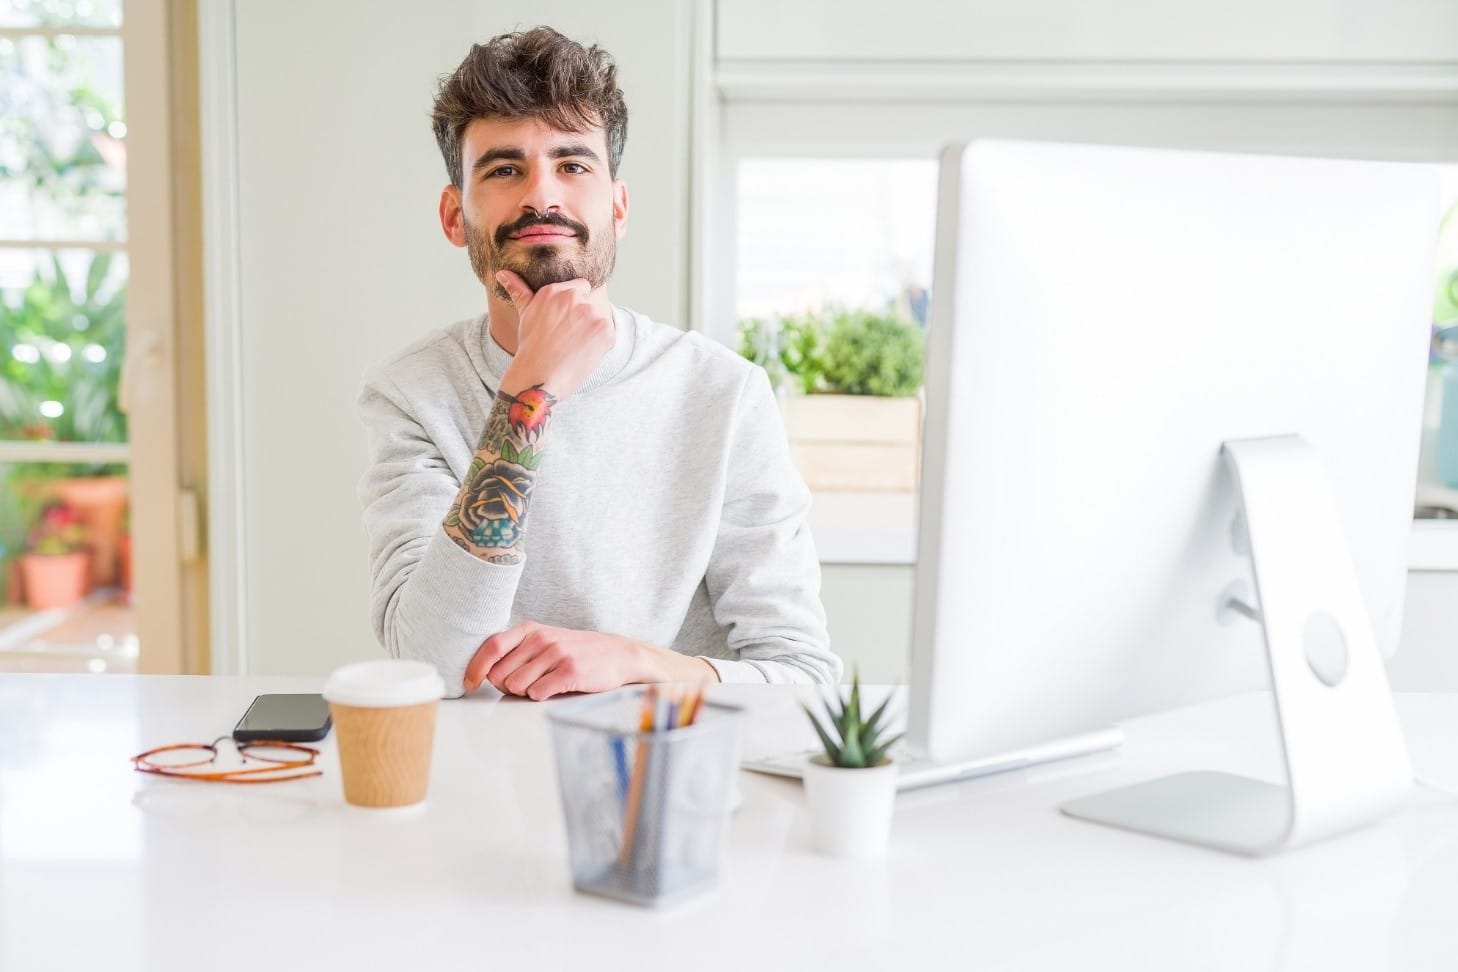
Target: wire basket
[647, 813]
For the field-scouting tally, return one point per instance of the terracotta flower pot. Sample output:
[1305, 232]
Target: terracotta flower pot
[124, 554]
[54, 580]
[14, 586]
[101, 502]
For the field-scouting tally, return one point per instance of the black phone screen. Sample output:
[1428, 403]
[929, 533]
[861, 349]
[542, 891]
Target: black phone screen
[289, 718]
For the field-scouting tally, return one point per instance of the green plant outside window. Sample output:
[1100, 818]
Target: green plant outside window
[62, 332]
[839, 351]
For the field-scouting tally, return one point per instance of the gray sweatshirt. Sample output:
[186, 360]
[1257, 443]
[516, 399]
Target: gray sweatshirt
[667, 509]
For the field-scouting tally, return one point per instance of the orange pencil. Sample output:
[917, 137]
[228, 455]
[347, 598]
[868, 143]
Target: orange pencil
[635, 788]
[691, 707]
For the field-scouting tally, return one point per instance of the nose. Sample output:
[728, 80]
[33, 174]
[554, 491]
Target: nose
[541, 193]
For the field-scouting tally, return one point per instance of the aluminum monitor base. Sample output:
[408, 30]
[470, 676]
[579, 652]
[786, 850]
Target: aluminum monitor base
[1346, 761]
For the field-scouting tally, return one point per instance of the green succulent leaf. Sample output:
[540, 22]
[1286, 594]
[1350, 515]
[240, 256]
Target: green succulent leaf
[854, 751]
[875, 719]
[870, 739]
[876, 756]
[832, 750]
[862, 742]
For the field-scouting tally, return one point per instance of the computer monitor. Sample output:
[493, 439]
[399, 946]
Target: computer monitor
[1103, 321]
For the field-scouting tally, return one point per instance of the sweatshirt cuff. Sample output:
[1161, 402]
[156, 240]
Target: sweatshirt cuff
[741, 672]
[463, 591]
[452, 602]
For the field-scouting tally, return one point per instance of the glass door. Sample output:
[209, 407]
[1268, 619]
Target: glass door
[87, 425]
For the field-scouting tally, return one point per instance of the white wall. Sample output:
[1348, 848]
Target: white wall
[342, 261]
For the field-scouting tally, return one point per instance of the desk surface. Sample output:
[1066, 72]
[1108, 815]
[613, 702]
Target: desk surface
[103, 868]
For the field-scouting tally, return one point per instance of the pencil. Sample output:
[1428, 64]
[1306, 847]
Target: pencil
[640, 771]
[691, 707]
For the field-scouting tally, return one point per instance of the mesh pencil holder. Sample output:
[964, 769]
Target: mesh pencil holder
[647, 813]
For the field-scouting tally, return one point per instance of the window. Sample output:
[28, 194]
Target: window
[817, 233]
[834, 261]
[791, 150]
[1438, 470]
[64, 273]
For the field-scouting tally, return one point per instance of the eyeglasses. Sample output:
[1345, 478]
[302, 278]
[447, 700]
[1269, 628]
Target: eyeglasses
[285, 761]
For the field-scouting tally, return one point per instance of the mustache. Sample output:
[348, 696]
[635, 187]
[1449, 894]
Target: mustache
[536, 219]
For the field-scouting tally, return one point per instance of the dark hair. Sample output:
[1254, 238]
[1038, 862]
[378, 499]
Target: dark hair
[536, 73]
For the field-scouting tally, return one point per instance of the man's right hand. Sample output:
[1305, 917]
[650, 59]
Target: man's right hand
[561, 338]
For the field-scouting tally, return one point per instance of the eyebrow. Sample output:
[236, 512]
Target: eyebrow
[513, 154]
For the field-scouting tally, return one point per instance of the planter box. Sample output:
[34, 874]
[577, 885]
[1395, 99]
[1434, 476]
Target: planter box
[856, 442]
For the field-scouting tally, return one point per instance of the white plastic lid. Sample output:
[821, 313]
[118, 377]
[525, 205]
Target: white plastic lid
[384, 684]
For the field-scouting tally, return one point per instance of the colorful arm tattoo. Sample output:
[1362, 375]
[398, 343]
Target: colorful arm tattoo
[488, 519]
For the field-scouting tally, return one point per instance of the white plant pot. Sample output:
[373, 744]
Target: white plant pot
[850, 809]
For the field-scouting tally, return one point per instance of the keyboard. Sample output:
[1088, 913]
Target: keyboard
[915, 771]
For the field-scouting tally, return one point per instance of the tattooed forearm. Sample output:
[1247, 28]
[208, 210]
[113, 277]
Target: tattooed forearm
[496, 427]
[489, 516]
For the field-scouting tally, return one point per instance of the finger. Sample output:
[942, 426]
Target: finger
[490, 653]
[519, 681]
[562, 677]
[575, 291]
[516, 288]
[576, 288]
[508, 663]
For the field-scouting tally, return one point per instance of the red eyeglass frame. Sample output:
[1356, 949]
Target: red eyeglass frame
[180, 771]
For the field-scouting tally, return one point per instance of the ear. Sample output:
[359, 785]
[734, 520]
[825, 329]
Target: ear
[452, 219]
[620, 208]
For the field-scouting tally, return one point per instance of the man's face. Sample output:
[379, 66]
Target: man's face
[535, 201]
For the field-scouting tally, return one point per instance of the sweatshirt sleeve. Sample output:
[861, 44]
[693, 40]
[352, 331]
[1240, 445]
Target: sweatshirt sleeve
[764, 576]
[429, 599]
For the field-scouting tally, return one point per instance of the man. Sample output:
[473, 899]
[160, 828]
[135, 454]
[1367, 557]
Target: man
[565, 496]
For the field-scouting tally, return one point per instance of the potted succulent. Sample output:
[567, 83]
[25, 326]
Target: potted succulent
[851, 789]
[54, 567]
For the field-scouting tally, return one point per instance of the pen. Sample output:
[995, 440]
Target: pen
[620, 764]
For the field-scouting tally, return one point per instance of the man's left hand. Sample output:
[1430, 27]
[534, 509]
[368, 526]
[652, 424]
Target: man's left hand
[539, 661]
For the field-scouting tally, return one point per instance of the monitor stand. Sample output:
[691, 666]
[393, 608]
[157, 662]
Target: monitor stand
[1346, 762]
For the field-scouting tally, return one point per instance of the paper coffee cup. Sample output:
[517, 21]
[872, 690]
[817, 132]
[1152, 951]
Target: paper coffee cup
[384, 724]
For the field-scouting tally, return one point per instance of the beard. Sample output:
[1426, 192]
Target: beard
[589, 256]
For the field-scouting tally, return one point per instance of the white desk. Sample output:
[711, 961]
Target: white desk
[103, 868]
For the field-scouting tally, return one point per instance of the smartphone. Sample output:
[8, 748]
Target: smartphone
[287, 718]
